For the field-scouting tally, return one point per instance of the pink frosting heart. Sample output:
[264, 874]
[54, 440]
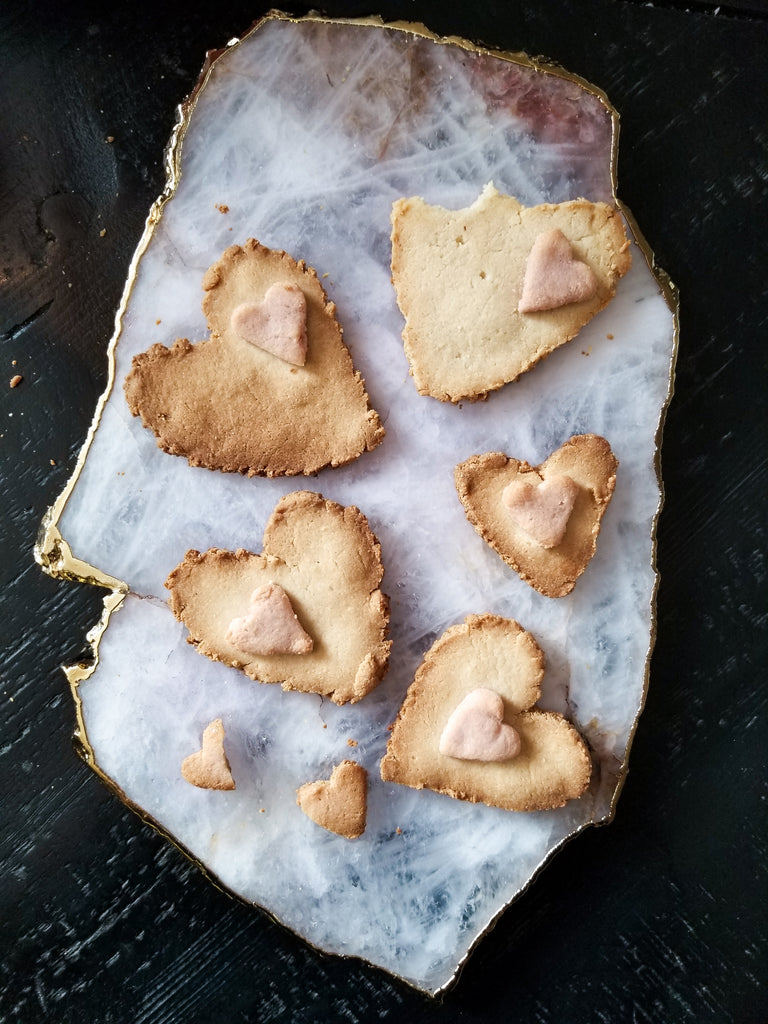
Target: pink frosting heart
[476, 730]
[541, 509]
[553, 276]
[278, 324]
[271, 625]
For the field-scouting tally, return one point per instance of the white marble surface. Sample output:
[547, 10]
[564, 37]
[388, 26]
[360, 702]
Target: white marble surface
[308, 132]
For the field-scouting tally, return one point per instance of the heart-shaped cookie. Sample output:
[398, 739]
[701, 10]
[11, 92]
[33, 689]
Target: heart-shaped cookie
[476, 730]
[228, 404]
[553, 764]
[328, 563]
[518, 509]
[459, 275]
[208, 768]
[554, 277]
[338, 804]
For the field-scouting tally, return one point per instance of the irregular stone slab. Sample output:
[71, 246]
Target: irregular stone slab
[307, 132]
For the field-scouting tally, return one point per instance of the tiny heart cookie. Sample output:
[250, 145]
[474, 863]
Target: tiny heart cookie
[273, 391]
[327, 562]
[543, 520]
[487, 652]
[208, 768]
[459, 276]
[338, 804]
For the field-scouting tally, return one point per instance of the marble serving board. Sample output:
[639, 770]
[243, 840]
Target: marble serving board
[302, 134]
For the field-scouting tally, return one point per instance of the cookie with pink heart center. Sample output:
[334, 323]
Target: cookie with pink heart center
[489, 291]
[272, 391]
[306, 612]
[544, 520]
[476, 686]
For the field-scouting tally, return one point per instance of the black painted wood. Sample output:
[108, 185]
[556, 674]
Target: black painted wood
[660, 917]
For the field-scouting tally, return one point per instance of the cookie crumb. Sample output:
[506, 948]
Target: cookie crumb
[52, 461]
[158, 322]
[609, 337]
[16, 380]
[222, 207]
[110, 139]
[398, 831]
[102, 233]
[351, 743]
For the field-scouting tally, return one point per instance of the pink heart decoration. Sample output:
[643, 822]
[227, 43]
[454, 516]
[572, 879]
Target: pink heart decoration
[270, 626]
[208, 768]
[476, 730]
[553, 276]
[278, 324]
[541, 509]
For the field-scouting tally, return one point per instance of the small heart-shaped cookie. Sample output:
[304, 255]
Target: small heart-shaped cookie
[227, 404]
[501, 498]
[338, 804]
[328, 562]
[278, 323]
[553, 275]
[476, 730]
[459, 274]
[553, 764]
[542, 508]
[208, 768]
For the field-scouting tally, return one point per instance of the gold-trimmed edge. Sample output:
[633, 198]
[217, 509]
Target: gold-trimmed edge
[56, 559]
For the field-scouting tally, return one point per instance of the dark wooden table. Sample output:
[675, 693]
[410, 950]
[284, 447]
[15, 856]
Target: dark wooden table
[660, 917]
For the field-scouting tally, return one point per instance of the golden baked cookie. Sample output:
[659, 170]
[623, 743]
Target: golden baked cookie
[547, 767]
[321, 556]
[269, 393]
[461, 277]
[543, 520]
[208, 768]
[338, 804]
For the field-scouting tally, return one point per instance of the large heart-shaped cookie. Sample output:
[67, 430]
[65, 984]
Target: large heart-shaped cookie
[328, 563]
[485, 651]
[238, 401]
[459, 278]
[520, 509]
